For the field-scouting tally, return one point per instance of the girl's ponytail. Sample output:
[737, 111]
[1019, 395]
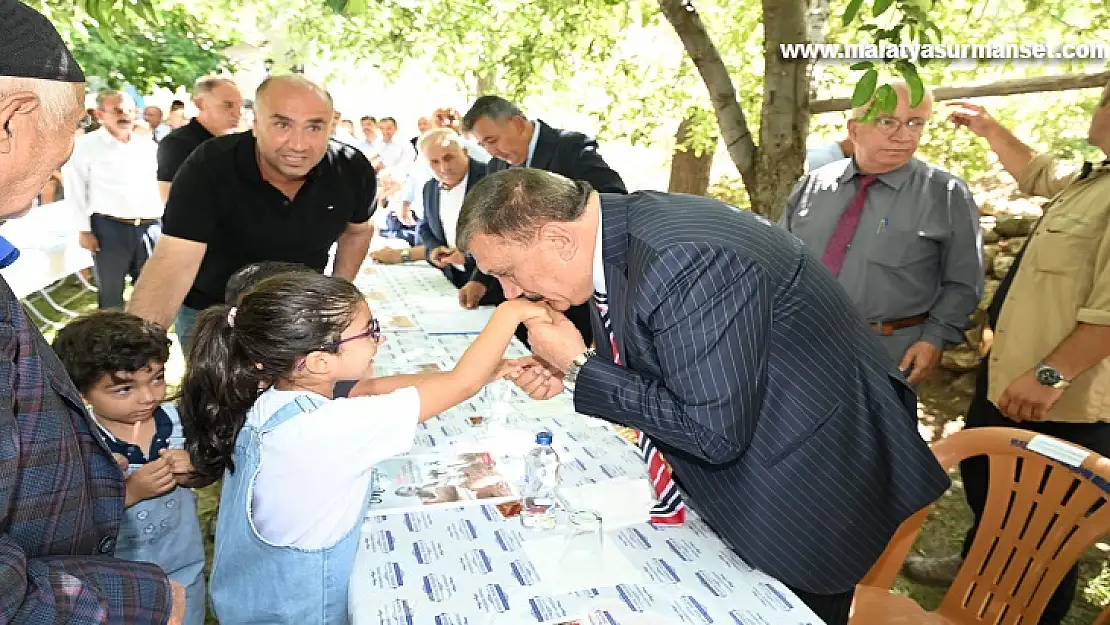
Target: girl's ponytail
[220, 386]
[239, 352]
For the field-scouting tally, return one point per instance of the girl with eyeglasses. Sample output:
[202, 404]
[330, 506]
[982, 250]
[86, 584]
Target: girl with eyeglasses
[258, 409]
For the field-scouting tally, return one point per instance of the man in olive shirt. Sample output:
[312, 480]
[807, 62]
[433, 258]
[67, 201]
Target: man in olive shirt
[1048, 369]
[902, 236]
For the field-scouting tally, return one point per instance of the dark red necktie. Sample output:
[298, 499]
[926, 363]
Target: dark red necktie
[670, 510]
[841, 238]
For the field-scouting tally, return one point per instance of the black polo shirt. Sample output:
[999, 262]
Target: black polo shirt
[175, 147]
[220, 199]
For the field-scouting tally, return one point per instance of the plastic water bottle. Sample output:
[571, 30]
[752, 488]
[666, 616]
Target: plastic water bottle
[541, 479]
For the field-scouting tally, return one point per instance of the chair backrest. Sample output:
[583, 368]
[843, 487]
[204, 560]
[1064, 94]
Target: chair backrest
[1047, 502]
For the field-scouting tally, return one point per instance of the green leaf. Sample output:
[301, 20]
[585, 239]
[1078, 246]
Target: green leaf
[913, 79]
[881, 7]
[145, 11]
[865, 88]
[851, 11]
[862, 65]
[886, 100]
[337, 5]
[355, 7]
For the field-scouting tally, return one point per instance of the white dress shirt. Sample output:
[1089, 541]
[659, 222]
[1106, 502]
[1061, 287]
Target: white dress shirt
[599, 261]
[396, 155]
[532, 143]
[367, 148]
[109, 177]
[450, 205]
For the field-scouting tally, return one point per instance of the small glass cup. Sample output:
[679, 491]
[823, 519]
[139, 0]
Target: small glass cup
[498, 397]
[499, 392]
[584, 540]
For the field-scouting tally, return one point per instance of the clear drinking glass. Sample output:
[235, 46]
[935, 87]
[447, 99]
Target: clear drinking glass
[498, 400]
[584, 540]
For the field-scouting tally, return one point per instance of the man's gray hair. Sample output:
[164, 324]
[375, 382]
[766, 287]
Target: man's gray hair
[207, 84]
[492, 107]
[56, 98]
[514, 203]
[442, 136]
[104, 95]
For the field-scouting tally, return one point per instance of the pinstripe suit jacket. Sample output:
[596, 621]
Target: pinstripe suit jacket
[787, 426]
[61, 498]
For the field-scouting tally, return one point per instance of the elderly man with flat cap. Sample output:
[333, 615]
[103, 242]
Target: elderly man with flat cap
[61, 492]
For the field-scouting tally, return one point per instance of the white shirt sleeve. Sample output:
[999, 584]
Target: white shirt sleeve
[356, 432]
[408, 193]
[408, 154]
[75, 182]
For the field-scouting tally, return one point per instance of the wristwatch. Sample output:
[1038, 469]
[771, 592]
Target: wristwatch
[570, 376]
[406, 255]
[1047, 375]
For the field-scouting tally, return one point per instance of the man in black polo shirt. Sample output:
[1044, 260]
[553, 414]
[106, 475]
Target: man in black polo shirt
[283, 192]
[220, 105]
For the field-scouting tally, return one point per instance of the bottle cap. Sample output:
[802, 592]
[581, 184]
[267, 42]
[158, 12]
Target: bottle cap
[543, 438]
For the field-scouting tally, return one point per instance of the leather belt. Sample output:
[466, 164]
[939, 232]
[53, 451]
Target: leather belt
[886, 328]
[136, 221]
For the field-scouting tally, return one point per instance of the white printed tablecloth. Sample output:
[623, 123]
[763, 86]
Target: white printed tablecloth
[469, 566]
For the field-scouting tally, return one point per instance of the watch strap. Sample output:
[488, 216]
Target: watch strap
[570, 376]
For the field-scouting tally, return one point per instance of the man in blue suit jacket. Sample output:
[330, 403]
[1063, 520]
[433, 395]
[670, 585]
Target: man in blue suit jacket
[787, 426]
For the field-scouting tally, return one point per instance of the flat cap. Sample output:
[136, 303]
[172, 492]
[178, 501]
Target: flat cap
[30, 46]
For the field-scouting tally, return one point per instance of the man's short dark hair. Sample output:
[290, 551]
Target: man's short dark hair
[387, 119]
[244, 280]
[492, 107]
[367, 118]
[107, 343]
[176, 104]
[513, 203]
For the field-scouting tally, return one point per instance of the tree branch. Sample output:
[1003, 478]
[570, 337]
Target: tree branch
[714, 73]
[1015, 86]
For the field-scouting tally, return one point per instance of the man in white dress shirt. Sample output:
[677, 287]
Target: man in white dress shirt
[396, 155]
[111, 182]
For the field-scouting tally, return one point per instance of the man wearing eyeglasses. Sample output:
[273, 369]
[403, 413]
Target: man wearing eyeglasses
[901, 235]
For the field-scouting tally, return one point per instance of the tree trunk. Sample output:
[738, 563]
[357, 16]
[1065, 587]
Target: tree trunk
[784, 122]
[714, 73]
[689, 170]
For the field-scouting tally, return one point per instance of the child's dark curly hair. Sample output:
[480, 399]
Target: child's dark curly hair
[109, 342]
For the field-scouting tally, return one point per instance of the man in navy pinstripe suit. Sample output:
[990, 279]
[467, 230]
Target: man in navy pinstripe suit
[790, 430]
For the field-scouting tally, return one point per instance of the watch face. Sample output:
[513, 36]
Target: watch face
[1048, 376]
